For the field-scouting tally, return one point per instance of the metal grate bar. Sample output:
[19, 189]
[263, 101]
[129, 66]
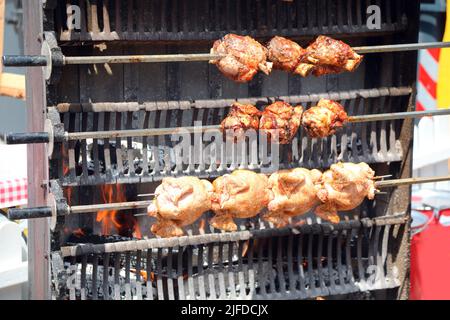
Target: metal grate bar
[170, 287]
[105, 287]
[138, 274]
[149, 275]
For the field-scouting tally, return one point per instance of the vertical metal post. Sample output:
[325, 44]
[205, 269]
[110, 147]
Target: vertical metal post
[38, 234]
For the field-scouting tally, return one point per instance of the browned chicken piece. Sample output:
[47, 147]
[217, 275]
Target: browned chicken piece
[344, 187]
[242, 117]
[244, 56]
[241, 194]
[280, 117]
[324, 119]
[179, 202]
[294, 193]
[328, 55]
[288, 56]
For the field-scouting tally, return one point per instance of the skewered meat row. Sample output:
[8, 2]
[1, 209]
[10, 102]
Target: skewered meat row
[344, 187]
[324, 119]
[281, 121]
[293, 193]
[179, 202]
[241, 194]
[244, 56]
[244, 194]
[240, 119]
[330, 56]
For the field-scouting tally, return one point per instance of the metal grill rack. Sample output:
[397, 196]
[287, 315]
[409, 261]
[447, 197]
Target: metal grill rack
[175, 20]
[116, 160]
[306, 262]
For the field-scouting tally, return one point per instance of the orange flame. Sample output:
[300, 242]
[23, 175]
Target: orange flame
[106, 217]
[65, 165]
[110, 219]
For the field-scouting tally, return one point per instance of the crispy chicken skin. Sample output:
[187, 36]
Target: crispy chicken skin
[244, 56]
[179, 202]
[282, 117]
[293, 194]
[324, 119]
[344, 187]
[241, 194]
[288, 56]
[241, 118]
[330, 56]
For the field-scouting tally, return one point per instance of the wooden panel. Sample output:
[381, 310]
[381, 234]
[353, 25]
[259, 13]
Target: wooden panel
[38, 230]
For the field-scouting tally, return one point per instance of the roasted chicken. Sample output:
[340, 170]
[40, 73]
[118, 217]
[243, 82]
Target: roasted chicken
[241, 194]
[344, 187]
[179, 202]
[329, 56]
[241, 118]
[243, 57]
[293, 194]
[288, 56]
[324, 119]
[281, 119]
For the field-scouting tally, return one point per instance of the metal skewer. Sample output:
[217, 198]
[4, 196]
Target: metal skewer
[44, 137]
[45, 212]
[53, 211]
[409, 181]
[398, 115]
[41, 61]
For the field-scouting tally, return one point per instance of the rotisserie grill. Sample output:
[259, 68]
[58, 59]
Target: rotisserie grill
[132, 105]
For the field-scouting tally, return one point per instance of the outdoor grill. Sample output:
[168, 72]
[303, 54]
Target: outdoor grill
[75, 256]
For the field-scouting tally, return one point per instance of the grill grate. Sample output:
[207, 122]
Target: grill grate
[318, 260]
[147, 159]
[176, 20]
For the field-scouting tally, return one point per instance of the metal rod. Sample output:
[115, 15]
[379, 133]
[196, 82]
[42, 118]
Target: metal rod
[109, 206]
[30, 61]
[408, 181]
[398, 115]
[401, 47]
[142, 58]
[43, 137]
[136, 132]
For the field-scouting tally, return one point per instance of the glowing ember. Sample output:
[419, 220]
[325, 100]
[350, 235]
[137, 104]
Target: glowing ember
[68, 190]
[78, 233]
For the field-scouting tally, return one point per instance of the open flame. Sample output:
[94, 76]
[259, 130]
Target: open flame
[114, 221]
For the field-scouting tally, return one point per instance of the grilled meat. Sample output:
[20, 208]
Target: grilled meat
[330, 56]
[288, 56]
[294, 193]
[241, 118]
[179, 202]
[344, 187]
[280, 117]
[241, 194]
[244, 56]
[324, 119]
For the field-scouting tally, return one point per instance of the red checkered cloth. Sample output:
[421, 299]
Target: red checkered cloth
[13, 193]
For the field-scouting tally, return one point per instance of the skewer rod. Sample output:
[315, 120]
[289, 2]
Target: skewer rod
[408, 181]
[142, 58]
[398, 115]
[30, 61]
[109, 206]
[135, 133]
[401, 47]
